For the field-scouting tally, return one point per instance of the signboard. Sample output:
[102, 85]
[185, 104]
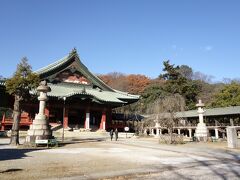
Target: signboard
[126, 128]
[41, 141]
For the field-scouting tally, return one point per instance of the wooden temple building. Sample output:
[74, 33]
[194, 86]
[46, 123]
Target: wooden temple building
[78, 98]
[216, 120]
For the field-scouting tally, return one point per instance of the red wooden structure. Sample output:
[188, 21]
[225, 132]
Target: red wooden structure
[7, 122]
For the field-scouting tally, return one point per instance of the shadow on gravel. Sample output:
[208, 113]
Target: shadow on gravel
[10, 170]
[10, 154]
[3, 144]
[230, 163]
[226, 163]
[77, 141]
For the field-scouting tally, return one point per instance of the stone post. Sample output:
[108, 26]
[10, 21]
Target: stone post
[190, 133]
[145, 131]
[157, 125]
[152, 131]
[232, 137]
[40, 128]
[201, 130]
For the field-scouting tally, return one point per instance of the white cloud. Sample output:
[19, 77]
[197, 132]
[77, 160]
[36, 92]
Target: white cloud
[208, 48]
[174, 46]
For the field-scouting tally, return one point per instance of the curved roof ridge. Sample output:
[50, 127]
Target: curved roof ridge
[58, 63]
[94, 76]
[126, 93]
[52, 65]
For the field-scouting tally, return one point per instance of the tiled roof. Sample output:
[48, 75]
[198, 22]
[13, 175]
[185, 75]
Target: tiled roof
[53, 65]
[70, 89]
[102, 94]
[212, 112]
[105, 93]
[223, 111]
[62, 63]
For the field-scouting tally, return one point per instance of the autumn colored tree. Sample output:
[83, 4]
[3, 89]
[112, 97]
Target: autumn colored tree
[115, 80]
[134, 84]
[19, 86]
[137, 83]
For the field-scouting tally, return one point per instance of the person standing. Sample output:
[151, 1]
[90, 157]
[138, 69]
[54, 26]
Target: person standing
[116, 134]
[111, 134]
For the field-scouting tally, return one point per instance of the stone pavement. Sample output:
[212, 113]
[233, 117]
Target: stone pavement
[96, 158]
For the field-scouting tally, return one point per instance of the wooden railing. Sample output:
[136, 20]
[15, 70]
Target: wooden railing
[8, 121]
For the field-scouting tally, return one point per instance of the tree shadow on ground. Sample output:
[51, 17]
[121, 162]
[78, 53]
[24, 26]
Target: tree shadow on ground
[11, 154]
[79, 141]
[230, 163]
[10, 170]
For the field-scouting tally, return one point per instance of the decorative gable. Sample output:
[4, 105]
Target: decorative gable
[71, 69]
[72, 77]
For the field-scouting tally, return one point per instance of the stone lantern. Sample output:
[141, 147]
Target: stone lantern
[40, 128]
[201, 130]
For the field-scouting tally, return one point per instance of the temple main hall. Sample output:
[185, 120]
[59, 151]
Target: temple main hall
[78, 98]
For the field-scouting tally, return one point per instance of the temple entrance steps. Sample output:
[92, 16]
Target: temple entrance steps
[55, 126]
[58, 127]
[94, 127]
[79, 134]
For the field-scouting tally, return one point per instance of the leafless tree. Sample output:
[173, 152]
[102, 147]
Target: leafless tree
[164, 111]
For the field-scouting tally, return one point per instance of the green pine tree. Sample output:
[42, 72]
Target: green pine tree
[19, 86]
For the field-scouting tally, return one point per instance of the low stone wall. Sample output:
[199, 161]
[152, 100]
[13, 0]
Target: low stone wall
[176, 139]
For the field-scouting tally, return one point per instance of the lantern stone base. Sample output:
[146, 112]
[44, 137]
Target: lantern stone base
[201, 132]
[39, 129]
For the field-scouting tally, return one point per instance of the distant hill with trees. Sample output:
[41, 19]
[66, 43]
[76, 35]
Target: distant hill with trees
[175, 79]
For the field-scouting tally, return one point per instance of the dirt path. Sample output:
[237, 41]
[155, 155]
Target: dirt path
[125, 159]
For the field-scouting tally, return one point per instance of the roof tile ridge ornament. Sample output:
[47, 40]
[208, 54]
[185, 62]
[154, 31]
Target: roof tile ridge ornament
[74, 51]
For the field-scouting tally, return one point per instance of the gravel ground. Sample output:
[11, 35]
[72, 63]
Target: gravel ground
[96, 158]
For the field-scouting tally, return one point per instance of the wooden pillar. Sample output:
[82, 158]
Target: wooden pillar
[3, 123]
[190, 133]
[152, 131]
[110, 117]
[46, 112]
[103, 121]
[179, 131]
[87, 119]
[216, 134]
[65, 118]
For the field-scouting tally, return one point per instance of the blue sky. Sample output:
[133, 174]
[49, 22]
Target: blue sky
[129, 36]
